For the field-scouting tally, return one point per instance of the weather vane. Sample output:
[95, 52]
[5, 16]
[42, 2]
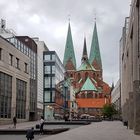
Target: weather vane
[95, 15]
[69, 17]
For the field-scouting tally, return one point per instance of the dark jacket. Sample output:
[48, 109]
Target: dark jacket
[30, 133]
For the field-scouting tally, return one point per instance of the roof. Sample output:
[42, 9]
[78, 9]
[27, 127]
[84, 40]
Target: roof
[88, 85]
[69, 54]
[95, 50]
[86, 66]
[87, 103]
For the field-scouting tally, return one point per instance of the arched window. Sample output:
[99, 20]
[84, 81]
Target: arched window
[89, 95]
[82, 95]
[94, 75]
[78, 76]
[95, 95]
[86, 75]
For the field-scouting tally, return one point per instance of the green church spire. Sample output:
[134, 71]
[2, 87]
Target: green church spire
[84, 56]
[95, 50]
[69, 55]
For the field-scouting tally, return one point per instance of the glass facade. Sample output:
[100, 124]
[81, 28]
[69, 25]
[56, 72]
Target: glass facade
[21, 89]
[5, 95]
[0, 53]
[19, 45]
[53, 74]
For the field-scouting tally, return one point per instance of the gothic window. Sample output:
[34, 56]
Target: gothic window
[89, 95]
[94, 75]
[79, 76]
[82, 95]
[95, 95]
[86, 75]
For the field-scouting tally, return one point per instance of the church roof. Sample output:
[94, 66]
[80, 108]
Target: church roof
[69, 55]
[86, 66]
[88, 85]
[95, 50]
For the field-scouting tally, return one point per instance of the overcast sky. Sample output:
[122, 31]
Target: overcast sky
[48, 20]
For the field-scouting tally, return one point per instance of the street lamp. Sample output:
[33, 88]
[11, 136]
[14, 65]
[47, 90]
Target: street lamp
[65, 95]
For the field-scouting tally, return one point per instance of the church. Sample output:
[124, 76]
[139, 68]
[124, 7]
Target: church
[91, 92]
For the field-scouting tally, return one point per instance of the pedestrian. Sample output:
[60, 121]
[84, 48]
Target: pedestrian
[41, 124]
[30, 134]
[14, 121]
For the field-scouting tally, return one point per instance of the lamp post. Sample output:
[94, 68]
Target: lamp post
[65, 92]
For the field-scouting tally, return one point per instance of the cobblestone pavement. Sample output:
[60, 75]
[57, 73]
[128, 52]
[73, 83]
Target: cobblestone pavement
[97, 131]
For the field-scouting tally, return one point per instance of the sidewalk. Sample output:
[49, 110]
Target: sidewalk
[97, 131]
[20, 125]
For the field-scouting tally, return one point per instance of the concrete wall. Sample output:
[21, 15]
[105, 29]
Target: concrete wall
[6, 68]
[130, 70]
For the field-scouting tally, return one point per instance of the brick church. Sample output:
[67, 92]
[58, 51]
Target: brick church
[91, 92]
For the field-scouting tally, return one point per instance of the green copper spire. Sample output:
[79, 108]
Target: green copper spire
[88, 85]
[84, 56]
[69, 55]
[95, 50]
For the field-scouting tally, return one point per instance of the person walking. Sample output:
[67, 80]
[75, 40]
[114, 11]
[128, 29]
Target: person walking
[30, 134]
[14, 121]
[41, 124]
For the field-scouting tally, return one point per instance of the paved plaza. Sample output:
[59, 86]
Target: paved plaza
[112, 130]
[106, 130]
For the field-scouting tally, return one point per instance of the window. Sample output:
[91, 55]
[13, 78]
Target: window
[53, 57]
[10, 59]
[47, 69]
[86, 75]
[47, 96]
[53, 96]
[89, 95]
[21, 99]
[47, 82]
[47, 57]
[0, 53]
[53, 69]
[26, 67]
[17, 63]
[53, 81]
[5, 95]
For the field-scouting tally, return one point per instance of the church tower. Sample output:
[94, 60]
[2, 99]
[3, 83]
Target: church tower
[69, 61]
[95, 57]
[91, 92]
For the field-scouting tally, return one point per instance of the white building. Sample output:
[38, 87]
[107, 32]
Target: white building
[116, 96]
[41, 46]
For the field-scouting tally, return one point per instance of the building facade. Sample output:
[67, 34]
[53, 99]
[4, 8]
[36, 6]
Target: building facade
[54, 95]
[130, 68]
[41, 47]
[27, 46]
[32, 47]
[116, 99]
[14, 83]
[91, 92]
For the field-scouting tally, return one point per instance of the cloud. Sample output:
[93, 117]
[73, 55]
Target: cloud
[48, 20]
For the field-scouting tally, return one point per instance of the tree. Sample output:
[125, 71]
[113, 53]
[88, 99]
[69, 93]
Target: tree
[109, 110]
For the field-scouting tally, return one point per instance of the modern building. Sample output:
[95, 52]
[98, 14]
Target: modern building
[41, 47]
[28, 47]
[130, 68]
[14, 82]
[116, 99]
[91, 92]
[54, 95]
[32, 47]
